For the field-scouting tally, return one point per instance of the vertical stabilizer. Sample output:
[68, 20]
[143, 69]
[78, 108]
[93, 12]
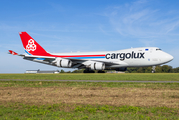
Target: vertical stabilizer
[31, 46]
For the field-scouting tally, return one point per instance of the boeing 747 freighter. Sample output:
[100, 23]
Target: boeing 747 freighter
[106, 60]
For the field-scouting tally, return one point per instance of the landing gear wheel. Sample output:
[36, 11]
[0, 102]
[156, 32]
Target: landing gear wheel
[88, 71]
[101, 71]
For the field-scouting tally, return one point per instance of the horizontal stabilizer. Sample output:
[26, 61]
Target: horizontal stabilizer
[12, 52]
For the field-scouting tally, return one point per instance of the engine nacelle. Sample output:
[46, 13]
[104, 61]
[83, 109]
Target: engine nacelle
[98, 66]
[64, 63]
[121, 69]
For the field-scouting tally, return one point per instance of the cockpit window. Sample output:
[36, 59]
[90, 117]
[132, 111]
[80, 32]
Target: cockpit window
[158, 49]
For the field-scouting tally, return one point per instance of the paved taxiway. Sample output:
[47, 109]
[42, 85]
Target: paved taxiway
[93, 81]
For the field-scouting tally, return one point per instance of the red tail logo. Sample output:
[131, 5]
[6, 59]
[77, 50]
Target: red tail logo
[31, 46]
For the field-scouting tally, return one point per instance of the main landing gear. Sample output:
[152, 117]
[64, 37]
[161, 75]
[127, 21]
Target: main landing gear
[88, 70]
[101, 71]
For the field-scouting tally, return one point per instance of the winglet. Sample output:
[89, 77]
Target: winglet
[12, 52]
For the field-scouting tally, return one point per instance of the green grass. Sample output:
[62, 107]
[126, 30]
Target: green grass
[96, 76]
[62, 111]
[174, 86]
[18, 111]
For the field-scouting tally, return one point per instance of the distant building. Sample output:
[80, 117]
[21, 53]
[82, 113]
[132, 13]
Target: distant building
[31, 71]
[41, 71]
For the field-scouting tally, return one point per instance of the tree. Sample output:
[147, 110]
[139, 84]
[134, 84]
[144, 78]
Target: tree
[158, 69]
[132, 69]
[62, 71]
[140, 70]
[148, 70]
[176, 70]
[78, 71]
[166, 69]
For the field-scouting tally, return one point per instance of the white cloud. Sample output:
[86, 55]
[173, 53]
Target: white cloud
[139, 20]
[172, 26]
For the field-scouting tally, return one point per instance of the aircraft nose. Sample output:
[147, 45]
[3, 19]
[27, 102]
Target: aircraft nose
[168, 57]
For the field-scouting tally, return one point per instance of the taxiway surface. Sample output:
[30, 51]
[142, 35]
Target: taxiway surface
[93, 81]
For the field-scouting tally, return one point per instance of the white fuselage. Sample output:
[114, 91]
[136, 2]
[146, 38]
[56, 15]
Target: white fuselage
[134, 57]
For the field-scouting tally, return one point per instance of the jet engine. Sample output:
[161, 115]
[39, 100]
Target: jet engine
[121, 69]
[64, 63]
[97, 66]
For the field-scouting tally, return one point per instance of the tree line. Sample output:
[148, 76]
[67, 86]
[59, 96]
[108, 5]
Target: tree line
[158, 69]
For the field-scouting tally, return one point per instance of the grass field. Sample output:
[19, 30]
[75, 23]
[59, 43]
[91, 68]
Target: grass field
[87, 100]
[63, 111]
[96, 76]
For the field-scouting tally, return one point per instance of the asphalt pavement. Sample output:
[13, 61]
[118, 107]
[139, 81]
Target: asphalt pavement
[125, 81]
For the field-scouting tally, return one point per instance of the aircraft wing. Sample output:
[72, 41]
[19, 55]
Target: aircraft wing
[77, 63]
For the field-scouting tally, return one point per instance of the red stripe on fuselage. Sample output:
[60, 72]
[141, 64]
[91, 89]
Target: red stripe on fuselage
[78, 55]
[66, 56]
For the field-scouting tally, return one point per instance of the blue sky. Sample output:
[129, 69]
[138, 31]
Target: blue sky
[86, 25]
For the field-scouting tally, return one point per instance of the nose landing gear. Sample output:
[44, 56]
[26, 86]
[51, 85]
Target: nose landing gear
[153, 69]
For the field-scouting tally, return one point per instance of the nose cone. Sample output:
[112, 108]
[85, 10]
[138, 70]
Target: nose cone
[168, 57]
[163, 57]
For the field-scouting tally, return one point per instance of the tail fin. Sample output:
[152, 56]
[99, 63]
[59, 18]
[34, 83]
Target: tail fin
[31, 46]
